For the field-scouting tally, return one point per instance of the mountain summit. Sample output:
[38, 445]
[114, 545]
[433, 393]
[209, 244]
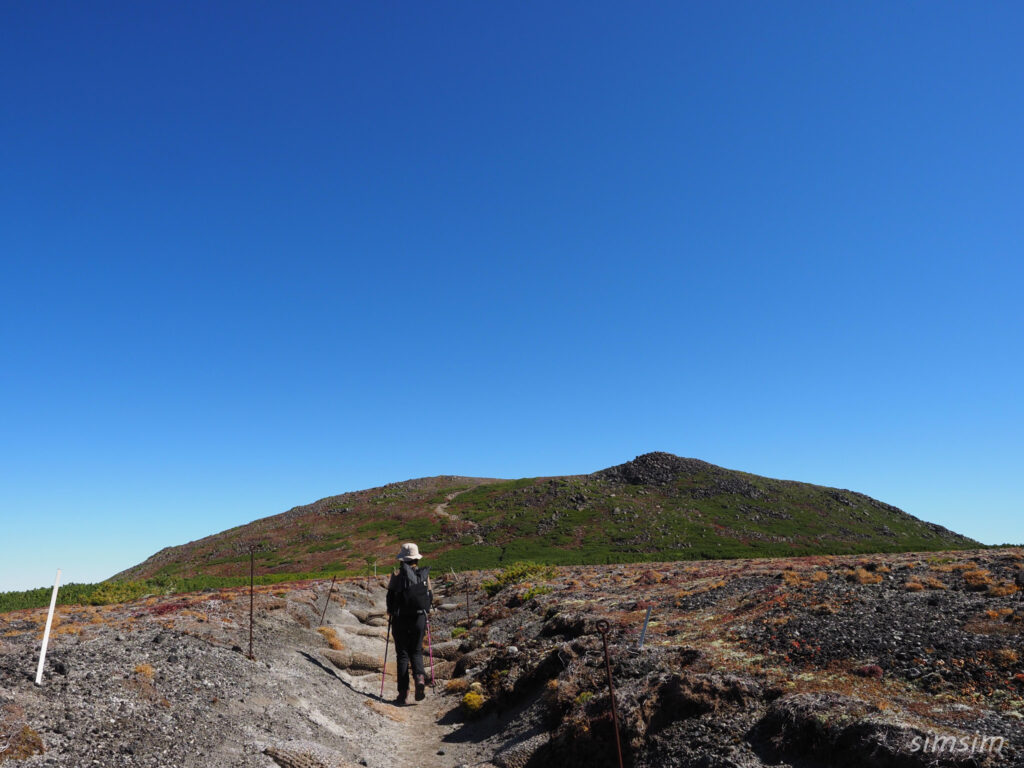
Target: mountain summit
[656, 507]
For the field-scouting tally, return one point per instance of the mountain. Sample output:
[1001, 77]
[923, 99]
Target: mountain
[656, 507]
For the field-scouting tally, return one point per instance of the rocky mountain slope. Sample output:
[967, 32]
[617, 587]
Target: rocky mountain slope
[886, 660]
[656, 507]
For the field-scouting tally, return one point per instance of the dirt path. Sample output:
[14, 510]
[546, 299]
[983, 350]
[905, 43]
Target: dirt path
[442, 508]
[421, 734]
[425, 733]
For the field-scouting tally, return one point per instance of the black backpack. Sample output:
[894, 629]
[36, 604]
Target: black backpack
[413, 594]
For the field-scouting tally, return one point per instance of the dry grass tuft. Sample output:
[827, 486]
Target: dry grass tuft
[457, 685]
[331, 636]
[791, 578]
[913, 586]
[69, 628]
[977, 579]
[933, 583]
[144, 671]
[998, 613]
[1005, 657]
[1003, 590]
[819, 576]
[862, 576]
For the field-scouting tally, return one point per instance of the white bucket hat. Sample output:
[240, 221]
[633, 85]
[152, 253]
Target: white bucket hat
[409, 552]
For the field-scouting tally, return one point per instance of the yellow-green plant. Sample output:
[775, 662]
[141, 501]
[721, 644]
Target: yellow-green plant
[472, 702]
[516, 574]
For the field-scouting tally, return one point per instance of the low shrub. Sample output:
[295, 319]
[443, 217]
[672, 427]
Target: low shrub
[22, 745]
[472, 703]
[870, 670]
[516, 574]
[537, 591]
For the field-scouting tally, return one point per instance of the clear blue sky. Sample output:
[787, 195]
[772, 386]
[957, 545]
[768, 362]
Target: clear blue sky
[254, 254]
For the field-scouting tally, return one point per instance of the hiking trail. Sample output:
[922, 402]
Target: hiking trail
[348, 712]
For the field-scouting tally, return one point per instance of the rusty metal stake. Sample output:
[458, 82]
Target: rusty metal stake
[603, 626]
[252, 596]
[328, 601]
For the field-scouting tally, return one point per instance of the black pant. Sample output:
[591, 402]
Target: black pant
[408, 633]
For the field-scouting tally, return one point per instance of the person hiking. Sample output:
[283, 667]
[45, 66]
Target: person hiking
[408, 602]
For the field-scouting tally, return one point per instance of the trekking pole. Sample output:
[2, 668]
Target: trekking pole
[384, 669]
[430, 647]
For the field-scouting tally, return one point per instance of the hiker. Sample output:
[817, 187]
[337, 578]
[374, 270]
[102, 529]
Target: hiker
[409, 599]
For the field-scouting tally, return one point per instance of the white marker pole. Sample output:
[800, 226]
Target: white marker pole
[46, 632]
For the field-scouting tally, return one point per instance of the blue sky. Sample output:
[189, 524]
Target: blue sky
[254, 254]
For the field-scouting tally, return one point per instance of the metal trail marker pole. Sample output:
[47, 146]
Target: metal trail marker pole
[252, 596]
[603, 627]
[328, 601]
[643, 632]
[46, 632]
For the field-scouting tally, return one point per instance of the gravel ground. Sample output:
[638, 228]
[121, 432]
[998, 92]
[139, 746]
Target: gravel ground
[169, 684]
[803, 662]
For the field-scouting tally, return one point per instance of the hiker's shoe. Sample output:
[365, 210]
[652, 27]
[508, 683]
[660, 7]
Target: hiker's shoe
[421, 687]
[401, 699]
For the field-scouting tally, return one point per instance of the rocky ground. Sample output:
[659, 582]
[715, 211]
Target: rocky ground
[887, 660]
